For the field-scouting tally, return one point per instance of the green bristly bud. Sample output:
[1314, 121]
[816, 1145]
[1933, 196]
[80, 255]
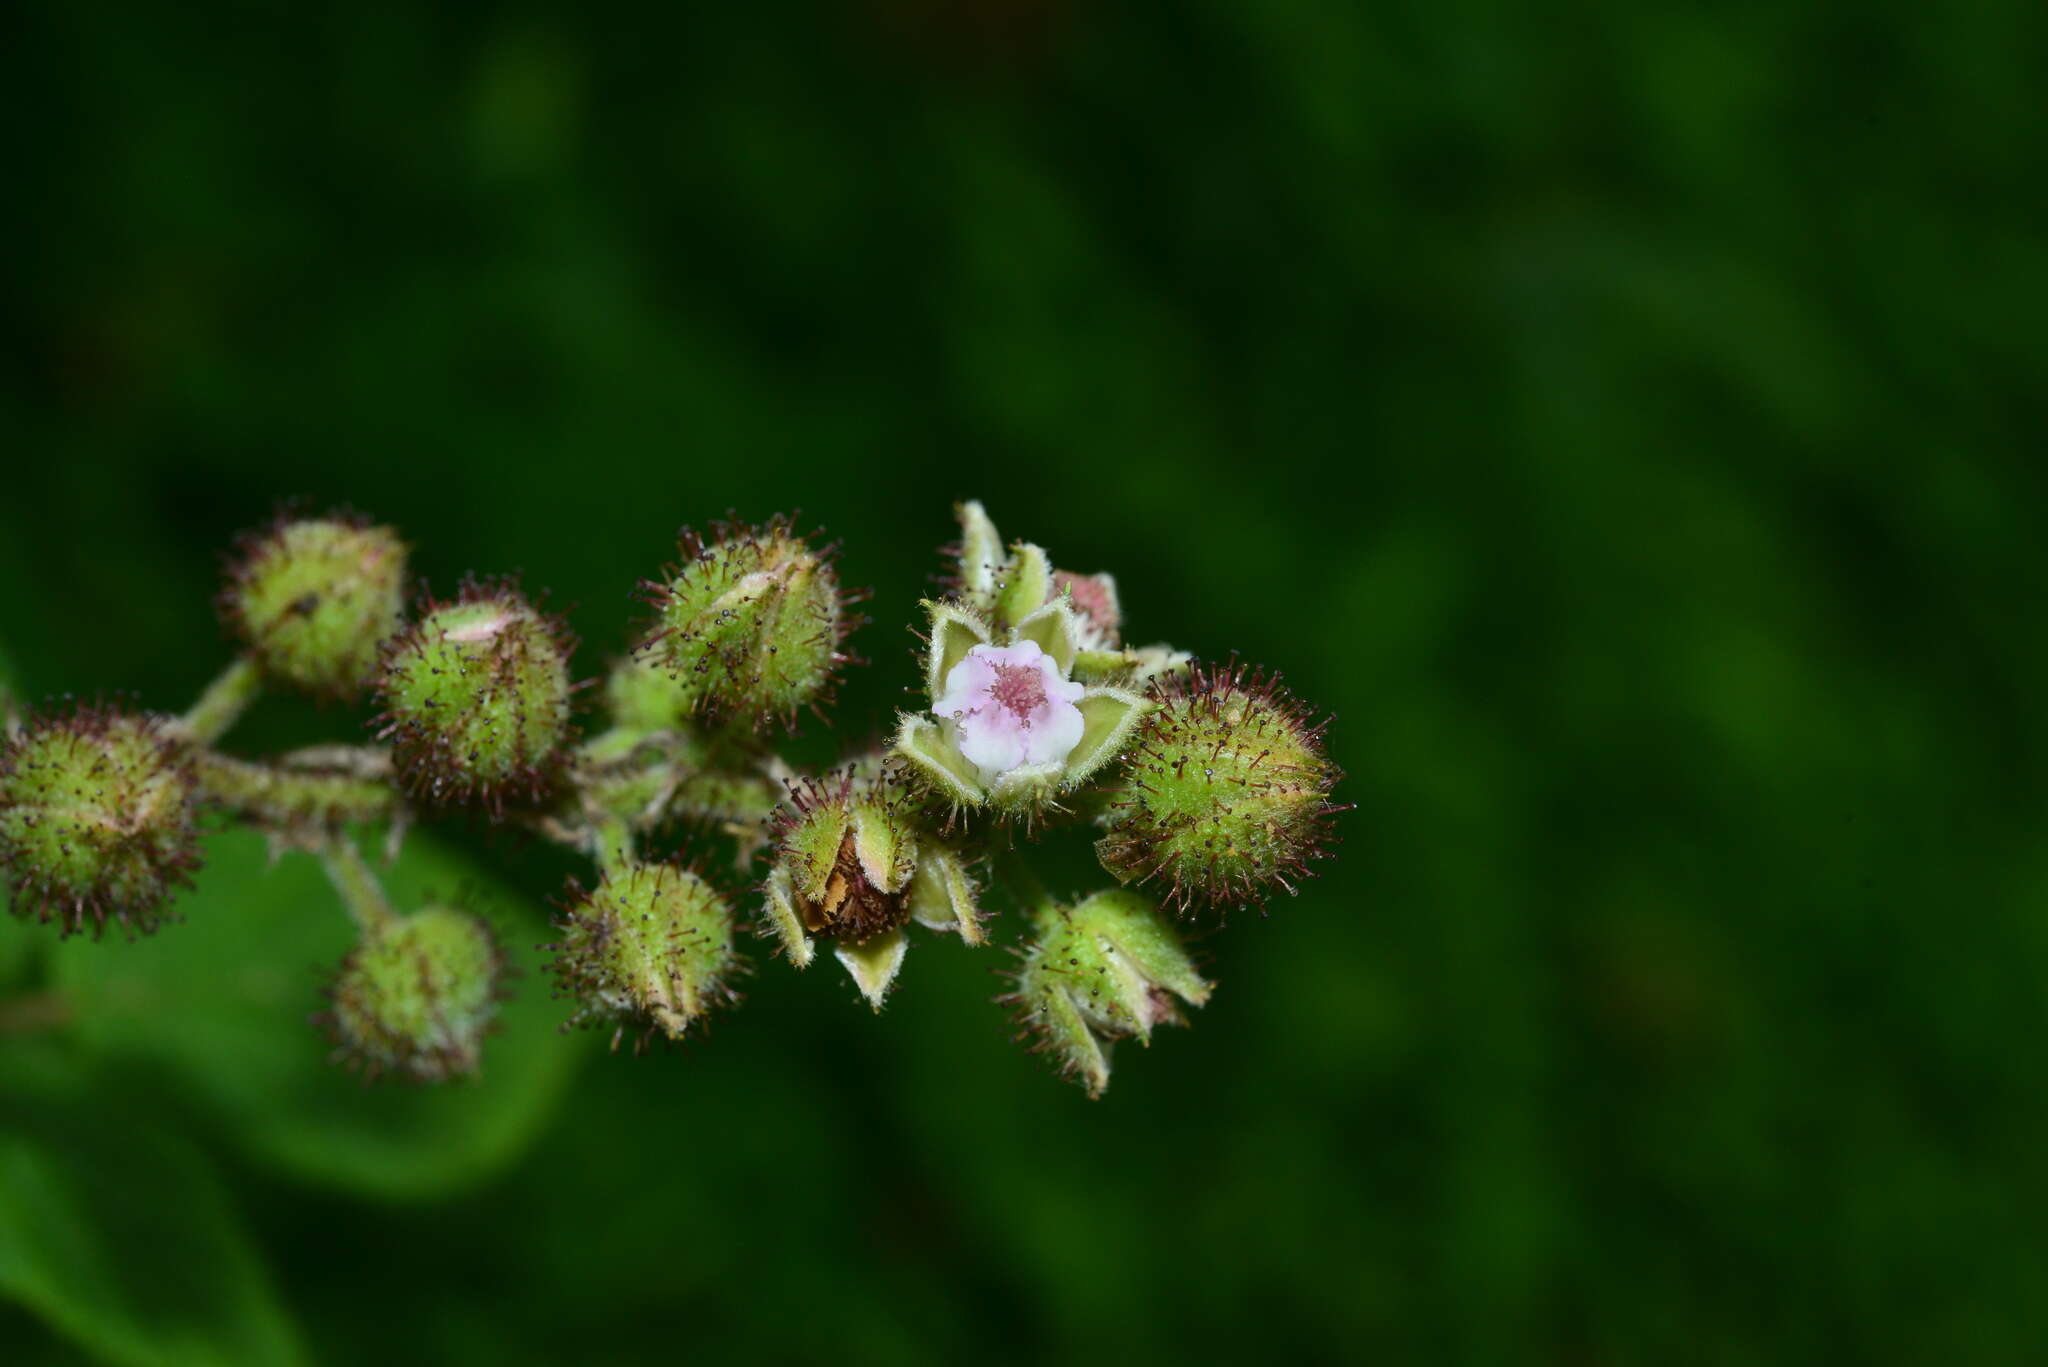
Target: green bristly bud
[845, 851]
[316, 600]
[477, 698]
[1227, 793]
[1108, 968]
[96, 820]
[649, 949]
[417, 996]
[747, 627]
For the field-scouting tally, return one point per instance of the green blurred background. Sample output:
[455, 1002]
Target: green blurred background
[1627, 420]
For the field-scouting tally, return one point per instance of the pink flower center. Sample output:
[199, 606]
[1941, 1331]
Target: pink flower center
[1018, 690]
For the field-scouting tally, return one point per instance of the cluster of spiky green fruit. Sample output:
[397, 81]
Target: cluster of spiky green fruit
[1204, 786]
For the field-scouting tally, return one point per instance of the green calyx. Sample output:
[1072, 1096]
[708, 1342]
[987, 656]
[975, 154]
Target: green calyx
[477, 699]
[417, 996]
[650, 948]
[316, 600]
[1110, 967]
[747, 627]
[845, 850]
[96, 820]
[1227, 794]
[853, 866]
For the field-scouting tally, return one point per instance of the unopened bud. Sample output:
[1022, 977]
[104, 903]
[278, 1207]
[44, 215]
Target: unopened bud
[417, 996]
[316, 599]
[1108, 968]
[96, 820]
[649, 949]
[477, 698]
[748, 625]
[1227, 792]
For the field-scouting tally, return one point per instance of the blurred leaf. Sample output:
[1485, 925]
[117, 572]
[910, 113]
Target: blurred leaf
[122, 1240]
[224, 998]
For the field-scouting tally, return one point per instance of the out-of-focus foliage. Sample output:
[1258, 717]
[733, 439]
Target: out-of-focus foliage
[1628, 422]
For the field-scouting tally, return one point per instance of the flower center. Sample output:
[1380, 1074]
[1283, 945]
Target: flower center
[1018, 689]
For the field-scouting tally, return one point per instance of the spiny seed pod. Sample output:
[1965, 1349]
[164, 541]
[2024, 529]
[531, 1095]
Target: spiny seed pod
[417, 996]
[477, 698]
[1108, 968]
[650, 948]
[96, 820]
[1226, 793]
[748, 625]
[316, 599]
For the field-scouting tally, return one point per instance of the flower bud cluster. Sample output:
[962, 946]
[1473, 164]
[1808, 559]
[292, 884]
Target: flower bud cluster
[1199, 786]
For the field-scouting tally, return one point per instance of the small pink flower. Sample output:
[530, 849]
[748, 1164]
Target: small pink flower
[1011, 709]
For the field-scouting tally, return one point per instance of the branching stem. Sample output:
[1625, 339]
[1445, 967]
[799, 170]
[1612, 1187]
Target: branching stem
[223, 702]
[358, 887]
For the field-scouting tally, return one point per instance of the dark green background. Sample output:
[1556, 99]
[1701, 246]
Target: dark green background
[1627, 420]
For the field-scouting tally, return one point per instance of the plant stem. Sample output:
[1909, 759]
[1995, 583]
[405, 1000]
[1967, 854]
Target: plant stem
[611, 839]
[223, 702]
[275, 796]
[359, 889]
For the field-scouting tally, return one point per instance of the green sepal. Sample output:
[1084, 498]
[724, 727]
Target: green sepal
[1109, 716]
[1027, 583]
[981, 555]
[924, 743]
[1027, 789]
[1053, 629]
[797, 947]
[885, 845]
[942, 896]
[1140, 947]
[874, 963]
[1050, 1011]
[955, 631]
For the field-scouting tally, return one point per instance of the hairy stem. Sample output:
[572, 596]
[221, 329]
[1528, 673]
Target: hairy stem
[611, 844]
[223, 702]
[276, 796]
[360, 892]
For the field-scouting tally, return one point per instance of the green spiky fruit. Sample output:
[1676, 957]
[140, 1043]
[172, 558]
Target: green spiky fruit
[650, 948]
[1108, 968]
[315, 600]
[416, 997]
[1226, 794]
[477, 698]
[748, 625]
[96, 820]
